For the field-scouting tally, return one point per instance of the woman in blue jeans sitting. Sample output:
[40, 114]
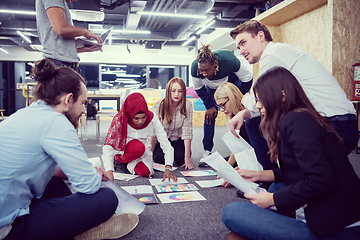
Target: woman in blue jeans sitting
[321, 186]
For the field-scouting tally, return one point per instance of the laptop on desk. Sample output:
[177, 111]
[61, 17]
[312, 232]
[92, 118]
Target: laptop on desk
[82, 41]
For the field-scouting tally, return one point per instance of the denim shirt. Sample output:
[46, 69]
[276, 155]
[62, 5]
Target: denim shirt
[33, 141]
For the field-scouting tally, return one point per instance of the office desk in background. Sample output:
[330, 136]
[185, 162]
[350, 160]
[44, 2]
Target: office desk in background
[105, 97]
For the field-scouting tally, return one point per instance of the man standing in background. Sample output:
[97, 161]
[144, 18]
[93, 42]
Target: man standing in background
[57, 33]
[208, 71]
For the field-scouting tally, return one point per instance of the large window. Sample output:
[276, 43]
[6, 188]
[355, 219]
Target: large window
[122, 76]
[139, 76]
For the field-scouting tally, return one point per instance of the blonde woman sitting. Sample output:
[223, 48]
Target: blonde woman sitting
[175, 113]
[228, 100]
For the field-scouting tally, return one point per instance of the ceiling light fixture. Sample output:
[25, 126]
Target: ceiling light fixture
[18, 12]
[205, 27]
[3, 50]
[128, 75]
[179, 15]
[24, 37]
[86, 15]
[188, 41]
[131, 31]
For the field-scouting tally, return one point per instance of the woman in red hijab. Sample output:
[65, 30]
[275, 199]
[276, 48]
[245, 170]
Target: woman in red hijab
[128, 141]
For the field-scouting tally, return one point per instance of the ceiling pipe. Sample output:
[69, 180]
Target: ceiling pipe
[152, 10]
[164, 10]
[133, 19]
[173, 6]
[162, 2]
[179, 7]
[208, 5]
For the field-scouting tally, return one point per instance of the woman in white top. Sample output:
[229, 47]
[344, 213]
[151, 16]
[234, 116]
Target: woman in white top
[128, 139]
[175, 114]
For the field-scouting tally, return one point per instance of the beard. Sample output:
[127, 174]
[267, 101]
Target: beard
[73, 118]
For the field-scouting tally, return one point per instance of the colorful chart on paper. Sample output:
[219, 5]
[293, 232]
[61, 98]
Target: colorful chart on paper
[180, 197]
[159, 181]
[198, 173]
[124, 176]
[147, 198]
[176, 188]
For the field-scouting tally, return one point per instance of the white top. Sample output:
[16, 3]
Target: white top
[153, 129]
[180, 126]
[320, 86]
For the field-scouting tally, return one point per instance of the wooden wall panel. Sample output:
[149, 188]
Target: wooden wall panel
[312, 33]
[346, 41]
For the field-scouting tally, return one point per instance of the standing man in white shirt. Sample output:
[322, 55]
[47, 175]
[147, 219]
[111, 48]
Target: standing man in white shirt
[254, 41]
[57, 33]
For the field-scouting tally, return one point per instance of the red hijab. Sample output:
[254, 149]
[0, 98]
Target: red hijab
[117, 133]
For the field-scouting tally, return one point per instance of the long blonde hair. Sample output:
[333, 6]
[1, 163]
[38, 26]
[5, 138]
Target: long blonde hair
[165, 108]
[231, 92]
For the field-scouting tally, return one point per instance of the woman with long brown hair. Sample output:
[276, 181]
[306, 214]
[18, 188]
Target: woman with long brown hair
[175, 113]
[321, 187]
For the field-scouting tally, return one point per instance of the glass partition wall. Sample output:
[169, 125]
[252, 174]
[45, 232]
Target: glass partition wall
[138, 76]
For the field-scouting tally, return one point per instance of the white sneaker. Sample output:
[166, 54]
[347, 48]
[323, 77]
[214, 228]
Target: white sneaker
[117, 226]
[206, 153]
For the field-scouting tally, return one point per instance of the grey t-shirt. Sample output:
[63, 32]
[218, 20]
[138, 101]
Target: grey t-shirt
[54, 46]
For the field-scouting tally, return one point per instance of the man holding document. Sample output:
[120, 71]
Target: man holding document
[57, 33]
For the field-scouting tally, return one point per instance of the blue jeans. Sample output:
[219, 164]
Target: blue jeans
[59, 214]
[253, 222]
[347, 130]
[259, 144]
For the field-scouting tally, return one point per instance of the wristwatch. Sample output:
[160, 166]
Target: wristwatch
[168, 167]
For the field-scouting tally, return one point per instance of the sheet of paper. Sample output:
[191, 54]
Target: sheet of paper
[226, 171]
[247, 160]
[180, 197]
[210, 183]
[127, 202]
[176, 188]
[161, 167]
[158, 181]
[198, 173]
[124, 176]
[140, 189]
[235, 144]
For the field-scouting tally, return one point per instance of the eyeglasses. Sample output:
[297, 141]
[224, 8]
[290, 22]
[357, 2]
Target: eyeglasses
[222, 105]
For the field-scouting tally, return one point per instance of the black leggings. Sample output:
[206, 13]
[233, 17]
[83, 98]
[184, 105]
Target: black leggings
[179, 152]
